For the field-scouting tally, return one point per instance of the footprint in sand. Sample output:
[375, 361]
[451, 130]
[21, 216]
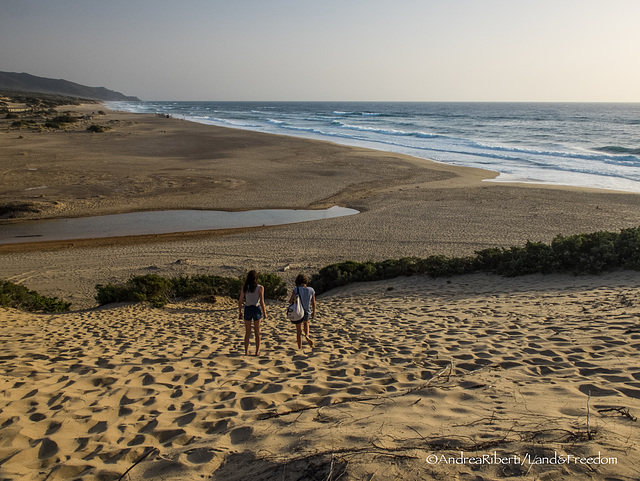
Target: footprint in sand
[169, 435]
[273, 388]
[53, 428]
[30, 394]
[48, 448]
[250, 403]
[590, 389]
[150, 426]
[200, 455]
[240, 435]
[633, 393]
[185, 420]
[137, 440]
[98, 428]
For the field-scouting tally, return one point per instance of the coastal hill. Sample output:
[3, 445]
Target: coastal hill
[24, 82]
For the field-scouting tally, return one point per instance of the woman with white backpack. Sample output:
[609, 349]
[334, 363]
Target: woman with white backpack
[307, 297]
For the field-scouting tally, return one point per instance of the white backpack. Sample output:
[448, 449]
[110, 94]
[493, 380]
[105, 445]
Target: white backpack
[295, 311]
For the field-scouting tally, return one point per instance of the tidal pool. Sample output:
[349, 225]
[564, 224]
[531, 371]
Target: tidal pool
[157, 222]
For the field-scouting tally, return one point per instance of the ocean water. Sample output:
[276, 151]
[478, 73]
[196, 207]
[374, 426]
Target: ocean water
[576, 144]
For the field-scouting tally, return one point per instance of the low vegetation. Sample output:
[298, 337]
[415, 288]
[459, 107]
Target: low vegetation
[98, 128]
[39, 101]
[61, 121]
[37, 112]
[18, 124]
[160, 290]
[19, 297]
[578, 254]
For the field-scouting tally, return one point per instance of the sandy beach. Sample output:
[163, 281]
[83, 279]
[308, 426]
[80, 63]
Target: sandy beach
[534, 377]
[409, 207]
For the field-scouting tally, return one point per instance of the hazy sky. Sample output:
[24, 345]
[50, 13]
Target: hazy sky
[416, 50]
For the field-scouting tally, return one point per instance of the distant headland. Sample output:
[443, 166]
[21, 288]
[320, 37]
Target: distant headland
[24, 82]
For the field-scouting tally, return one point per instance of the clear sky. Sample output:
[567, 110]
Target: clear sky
[395, 50]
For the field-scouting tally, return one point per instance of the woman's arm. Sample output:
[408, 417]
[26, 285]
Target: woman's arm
[240, 303]
[313, 306]
[264, 309]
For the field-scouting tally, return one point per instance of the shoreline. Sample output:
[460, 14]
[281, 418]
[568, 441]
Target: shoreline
[347, 117]
[495, 178]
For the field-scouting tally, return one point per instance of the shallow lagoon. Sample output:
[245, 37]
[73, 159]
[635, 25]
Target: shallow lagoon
[157, 222]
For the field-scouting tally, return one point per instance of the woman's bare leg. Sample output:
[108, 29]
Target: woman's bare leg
[247, 336]
[256, 328]
[299, 334]
[306, 333]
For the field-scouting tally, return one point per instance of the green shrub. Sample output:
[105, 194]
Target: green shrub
[18, 124]
[204, 285]
[627, 246]
[64, 119]
[343, 273]
[160, 290]
[274, 286]
[533, 257]
[111, 293]
[592, 253]
[580, 253]
[148, 288]
[438, 266]
[401, 267]
[19, 297]
[60, 121]
[98, 128]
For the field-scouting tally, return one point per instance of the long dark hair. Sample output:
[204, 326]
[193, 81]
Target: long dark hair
[252, 282]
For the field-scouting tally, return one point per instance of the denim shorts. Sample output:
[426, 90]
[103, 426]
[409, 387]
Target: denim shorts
[252, 313]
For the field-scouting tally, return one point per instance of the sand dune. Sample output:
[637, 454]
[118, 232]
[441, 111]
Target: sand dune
[403, 373]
